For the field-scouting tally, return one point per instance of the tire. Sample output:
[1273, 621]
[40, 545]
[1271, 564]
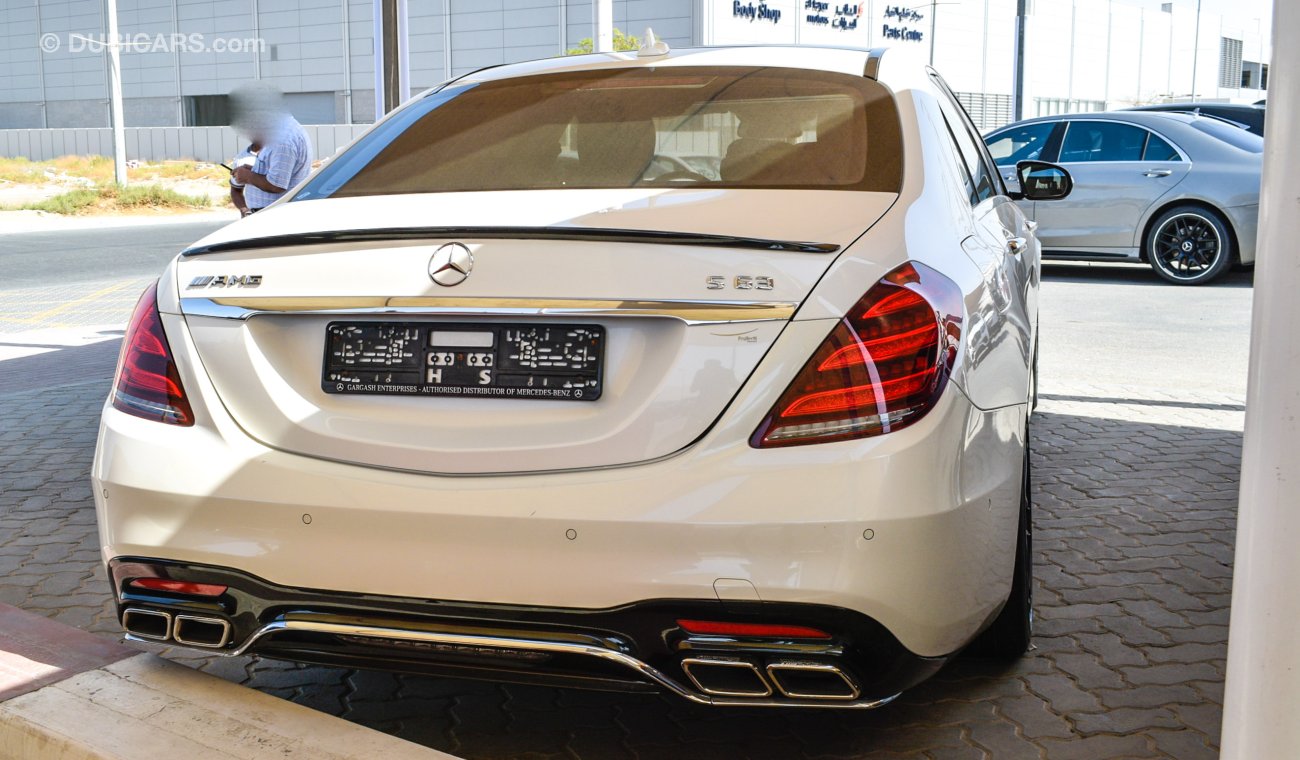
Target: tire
[1012, 630]
[1189, 245]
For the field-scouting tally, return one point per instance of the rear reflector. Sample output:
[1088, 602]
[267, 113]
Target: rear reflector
[751, 630]
[880, 369]
[178, 587]
[147, 383]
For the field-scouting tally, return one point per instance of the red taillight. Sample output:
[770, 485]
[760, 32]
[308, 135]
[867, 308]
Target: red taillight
[882, 367]
[147, 383]
[178, 587]
[751, 630]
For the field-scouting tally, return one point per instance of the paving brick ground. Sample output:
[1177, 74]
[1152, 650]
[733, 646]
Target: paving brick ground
[1134, 528]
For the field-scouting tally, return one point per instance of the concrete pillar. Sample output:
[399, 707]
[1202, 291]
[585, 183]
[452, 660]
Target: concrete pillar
[1263, 689]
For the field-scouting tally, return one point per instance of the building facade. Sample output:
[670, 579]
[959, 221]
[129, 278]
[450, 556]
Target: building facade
[180, 58]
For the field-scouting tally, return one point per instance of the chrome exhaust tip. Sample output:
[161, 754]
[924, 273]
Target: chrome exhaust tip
[206, 632]
[147, 624]
[812, 680]
[726, 677]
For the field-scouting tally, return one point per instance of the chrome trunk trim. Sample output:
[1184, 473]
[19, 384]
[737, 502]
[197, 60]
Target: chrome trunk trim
[690, 312]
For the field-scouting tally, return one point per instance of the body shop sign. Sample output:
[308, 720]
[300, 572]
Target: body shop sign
[751, 22]
[804, 22]
[755, 12]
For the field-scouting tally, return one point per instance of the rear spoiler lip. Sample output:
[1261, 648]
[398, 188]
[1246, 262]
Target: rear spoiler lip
[513, 233]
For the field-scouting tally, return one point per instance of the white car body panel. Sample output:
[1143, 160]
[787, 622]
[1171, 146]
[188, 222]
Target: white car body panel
[652, 493]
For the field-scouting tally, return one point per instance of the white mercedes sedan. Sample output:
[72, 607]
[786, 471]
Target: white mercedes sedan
[508, 389]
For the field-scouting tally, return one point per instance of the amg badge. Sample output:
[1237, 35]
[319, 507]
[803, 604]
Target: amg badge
[226, 281]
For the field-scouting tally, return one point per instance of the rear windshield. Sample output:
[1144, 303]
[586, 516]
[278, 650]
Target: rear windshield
[737, 127]
[1233, 135]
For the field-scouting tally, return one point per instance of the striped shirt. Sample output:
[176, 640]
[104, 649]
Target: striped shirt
[285, 161]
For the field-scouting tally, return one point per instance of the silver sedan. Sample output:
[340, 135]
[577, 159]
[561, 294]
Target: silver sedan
[1177, 191]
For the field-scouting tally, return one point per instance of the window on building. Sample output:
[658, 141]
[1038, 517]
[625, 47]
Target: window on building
[1023, 143]
[1054, 106]
[987, 110]
[1229, 62]
[207, 111]
[1263, 76]
[1102, 141]
[1252, 75]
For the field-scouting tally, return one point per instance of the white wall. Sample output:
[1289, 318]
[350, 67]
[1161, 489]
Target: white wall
[158, 143]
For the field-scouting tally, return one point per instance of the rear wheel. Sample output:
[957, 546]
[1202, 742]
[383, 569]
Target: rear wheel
[1012, 631]
[1189, 245]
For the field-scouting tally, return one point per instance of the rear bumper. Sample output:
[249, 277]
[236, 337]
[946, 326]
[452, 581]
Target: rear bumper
[628, 648]
[913, 530]
[1245, 224]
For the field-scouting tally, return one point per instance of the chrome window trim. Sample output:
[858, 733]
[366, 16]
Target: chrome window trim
[1069, 121]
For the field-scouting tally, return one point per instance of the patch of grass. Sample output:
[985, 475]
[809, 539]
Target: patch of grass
[95, 168]
[179, 170]
[20, 170]
[99, 170]
[152, 196]
[108, 198]
[71, 202]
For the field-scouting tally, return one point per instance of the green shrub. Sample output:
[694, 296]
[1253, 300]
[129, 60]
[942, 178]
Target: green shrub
[622, 44]
[111, 197]
[71, 202]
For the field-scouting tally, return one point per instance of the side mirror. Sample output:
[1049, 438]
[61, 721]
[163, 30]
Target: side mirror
[1041, 181]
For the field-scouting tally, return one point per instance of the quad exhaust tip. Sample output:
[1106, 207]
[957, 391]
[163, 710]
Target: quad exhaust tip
[726, 677]
[812, 680]
[193, 631]
[734, 677]
[188, 630]
[148, 624]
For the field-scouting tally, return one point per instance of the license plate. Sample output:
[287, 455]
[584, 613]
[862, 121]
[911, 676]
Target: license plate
[538, 361]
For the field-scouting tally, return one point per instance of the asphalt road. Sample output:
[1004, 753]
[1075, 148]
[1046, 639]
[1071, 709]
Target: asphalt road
[1123, 325]
[37, 259]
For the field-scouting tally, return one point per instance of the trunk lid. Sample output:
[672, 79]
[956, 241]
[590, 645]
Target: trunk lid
[675, 350]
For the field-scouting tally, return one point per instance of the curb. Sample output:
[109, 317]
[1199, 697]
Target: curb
[70, 695]
[22, 221]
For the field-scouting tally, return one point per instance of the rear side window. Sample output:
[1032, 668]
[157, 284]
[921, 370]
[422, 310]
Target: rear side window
[1159, 150]
[738, 127]
[983, 177]
[1102, 141]
[1022, 143]
[1234, 136]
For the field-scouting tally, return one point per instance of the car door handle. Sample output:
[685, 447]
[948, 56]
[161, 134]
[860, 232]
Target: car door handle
[1157, 172]
[1031, 225]
[1016, 245]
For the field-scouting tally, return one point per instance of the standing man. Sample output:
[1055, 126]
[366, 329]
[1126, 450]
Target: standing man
[258, 113]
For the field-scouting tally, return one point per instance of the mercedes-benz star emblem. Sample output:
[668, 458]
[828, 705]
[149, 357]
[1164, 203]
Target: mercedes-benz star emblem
[451, 264]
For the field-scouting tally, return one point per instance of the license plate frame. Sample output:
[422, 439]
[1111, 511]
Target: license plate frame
[537, 361]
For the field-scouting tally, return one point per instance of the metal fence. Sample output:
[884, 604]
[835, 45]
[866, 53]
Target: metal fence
[157, 143]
